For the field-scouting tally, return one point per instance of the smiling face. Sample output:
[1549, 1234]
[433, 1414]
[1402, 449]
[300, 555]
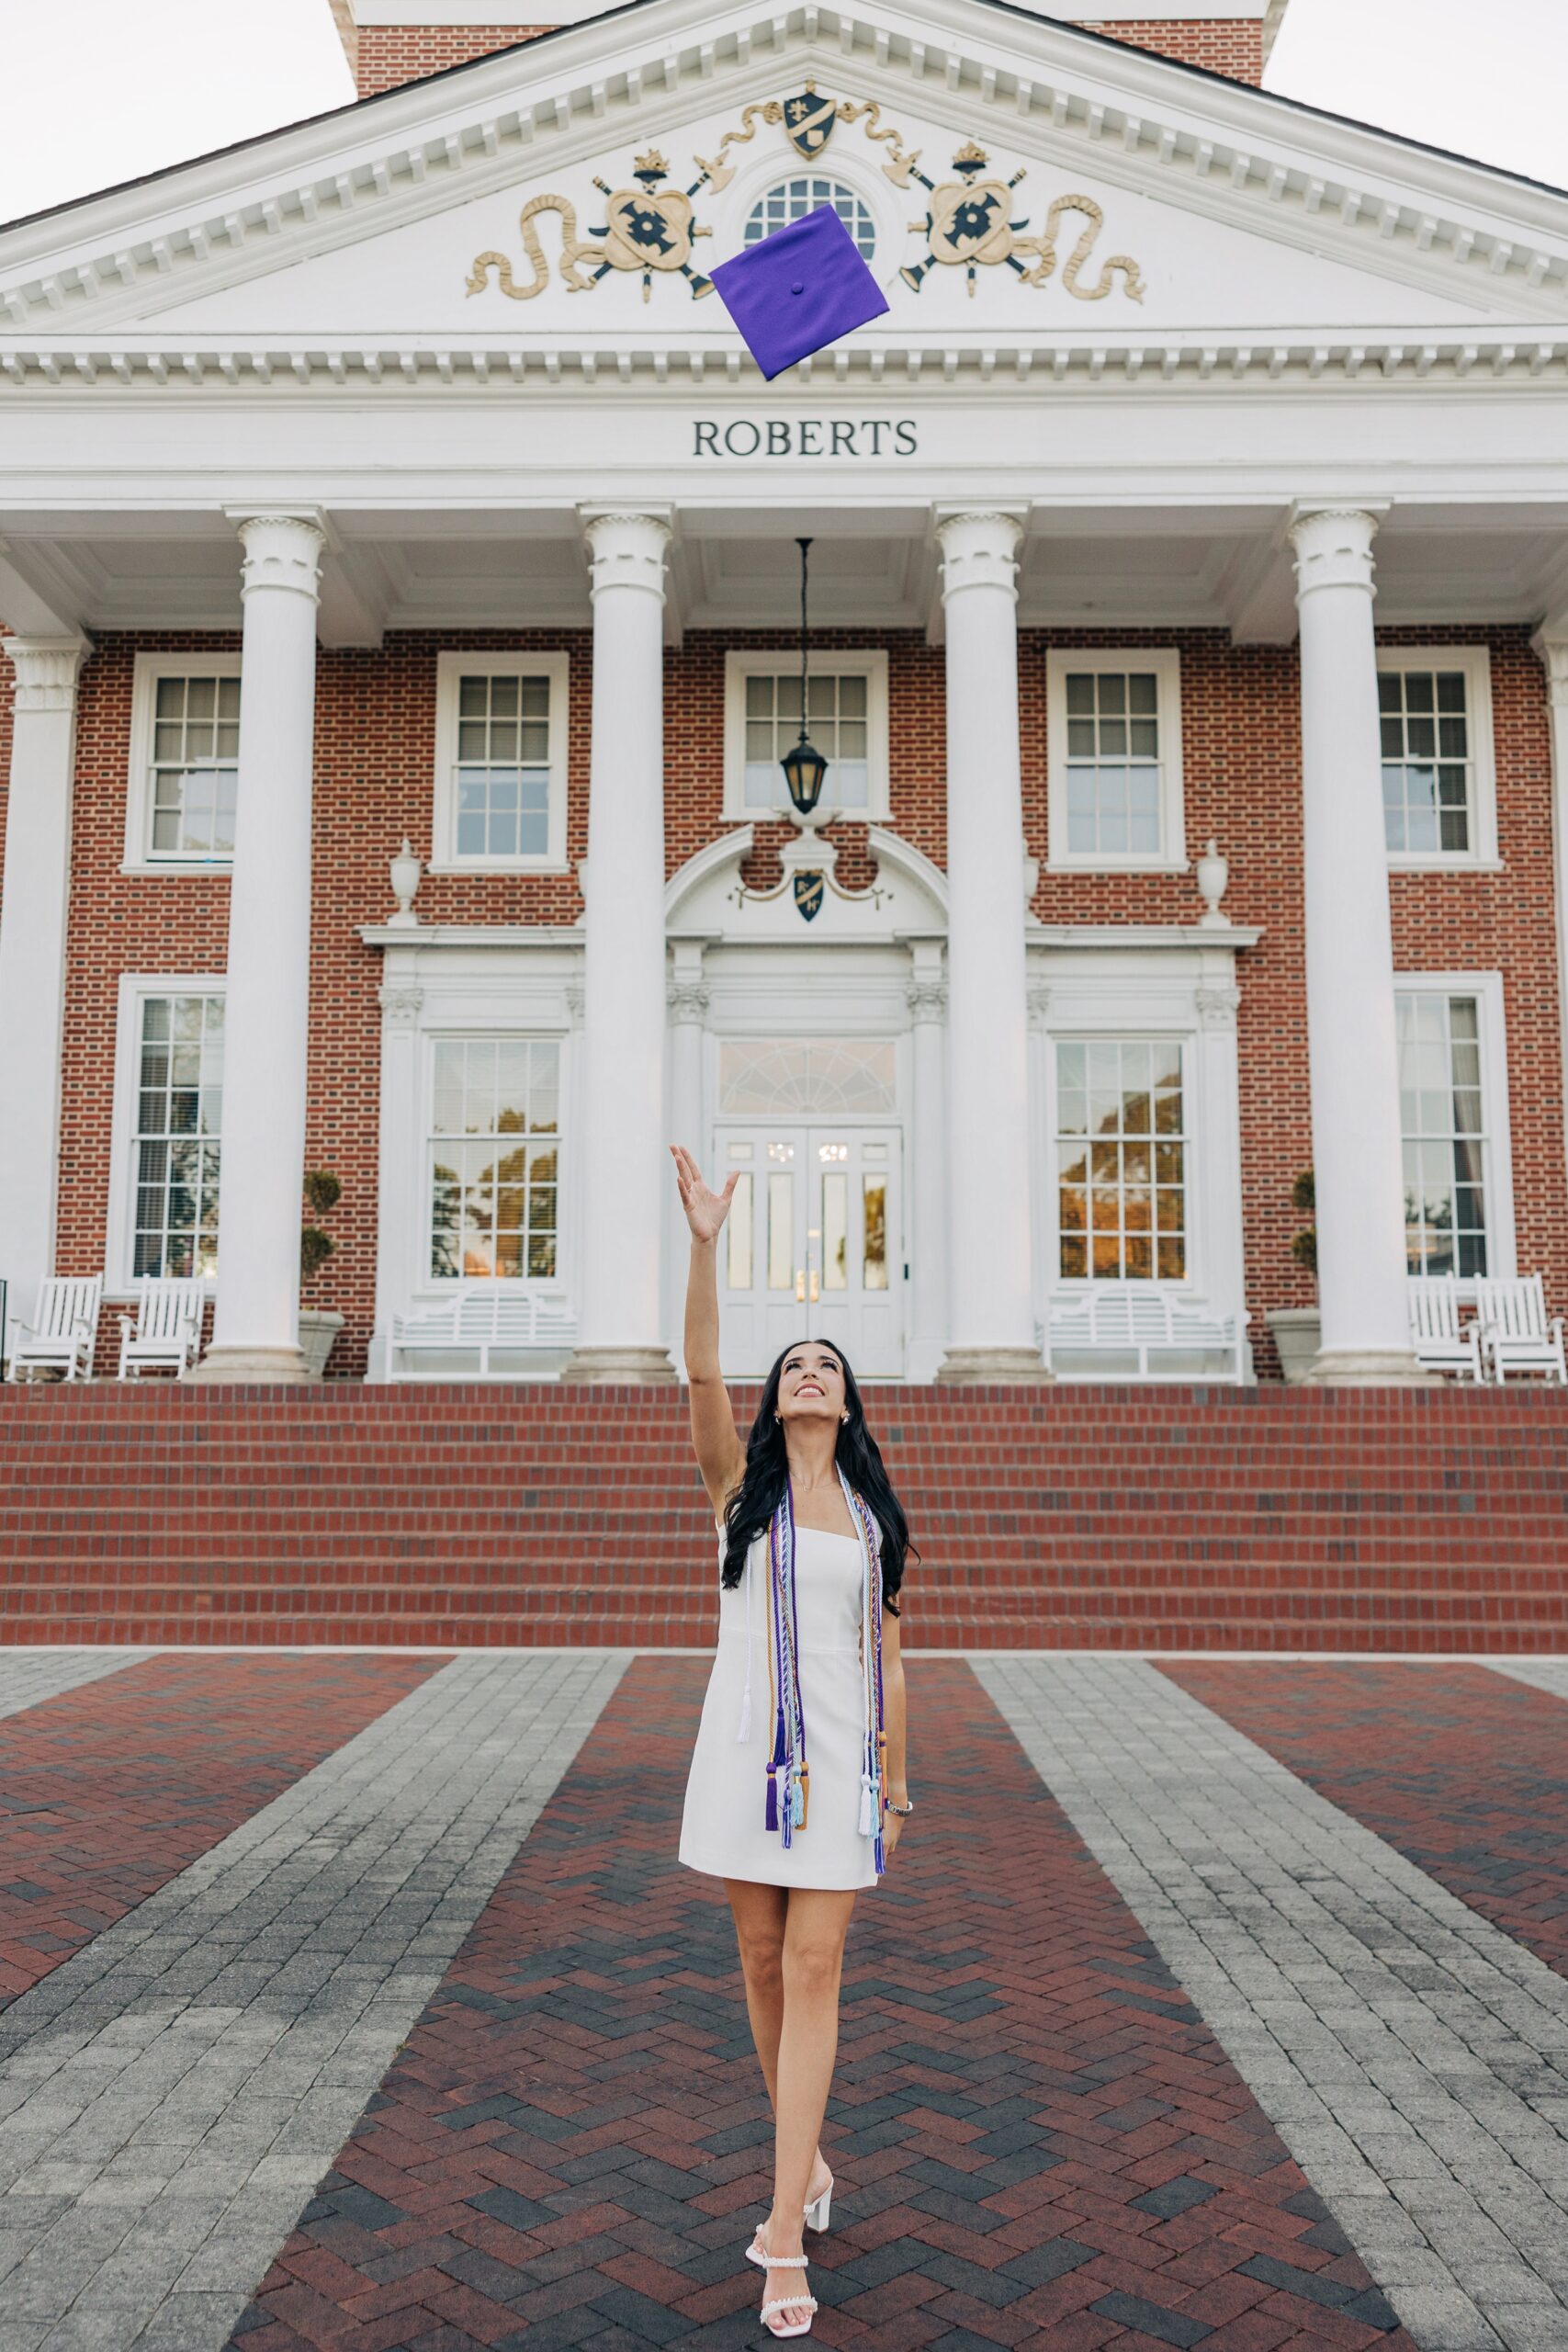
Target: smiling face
[811, 1383]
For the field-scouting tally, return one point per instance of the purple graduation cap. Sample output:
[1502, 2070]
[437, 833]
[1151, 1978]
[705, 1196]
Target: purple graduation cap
[798, 289]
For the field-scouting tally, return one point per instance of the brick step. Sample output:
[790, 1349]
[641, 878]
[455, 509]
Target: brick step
[1117, 1517]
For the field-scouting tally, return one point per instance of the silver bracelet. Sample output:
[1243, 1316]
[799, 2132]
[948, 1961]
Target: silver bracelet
[901, 1808]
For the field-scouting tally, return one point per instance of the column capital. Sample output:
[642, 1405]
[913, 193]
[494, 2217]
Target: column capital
[1334, 546]
[1551, 646]
[626, 549]
[47, 669]
[1217, 1006]
[979, 547]
[399, 1005]
[1037, 1007]
[925, 993]
[282, 551]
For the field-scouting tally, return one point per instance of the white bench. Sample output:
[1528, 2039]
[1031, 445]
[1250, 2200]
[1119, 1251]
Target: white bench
[64, 1330]
[1516, 1335]
[166, 1328]
[1142, 1331]
[1441, 1342]
[484, 1318]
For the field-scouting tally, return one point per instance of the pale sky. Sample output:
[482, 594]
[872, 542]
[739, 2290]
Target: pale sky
[96, 91]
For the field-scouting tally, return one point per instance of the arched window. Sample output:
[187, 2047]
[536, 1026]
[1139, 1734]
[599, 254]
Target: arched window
[791, 199]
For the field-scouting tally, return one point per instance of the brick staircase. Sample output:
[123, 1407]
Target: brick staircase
[1072, 1517]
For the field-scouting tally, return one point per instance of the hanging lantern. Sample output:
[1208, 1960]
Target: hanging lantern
[803, 765]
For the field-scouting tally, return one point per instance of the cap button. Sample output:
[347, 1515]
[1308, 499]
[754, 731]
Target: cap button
[797, 290]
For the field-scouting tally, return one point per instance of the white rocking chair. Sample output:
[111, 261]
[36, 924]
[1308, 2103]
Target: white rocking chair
[166, 1329]
[64, 1328]
[1441, 1342]
[1516, 1335]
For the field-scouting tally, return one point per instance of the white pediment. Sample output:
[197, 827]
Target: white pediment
[707, 899]
[1121, 197]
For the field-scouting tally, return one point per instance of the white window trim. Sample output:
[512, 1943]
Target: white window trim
[1475, 661]
[1166, 663]
[870, 662]
[449, 668]
[1194, 1283]
[1497, 1173]
[147, 671]
[448, 1027]
[119, 1242]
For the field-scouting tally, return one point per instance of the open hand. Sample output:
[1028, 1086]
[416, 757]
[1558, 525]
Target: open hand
[705, 1209]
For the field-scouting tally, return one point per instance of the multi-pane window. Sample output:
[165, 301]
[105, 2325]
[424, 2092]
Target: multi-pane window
[1443, 1117]
[794, 199]
[1113, 740]
[1114, 778]
[176, 1147]
[1120, 1161]
[504, 766]
[836, 720]
[1427, 770]
[500, 736]
[495, 1159]
[194, 768]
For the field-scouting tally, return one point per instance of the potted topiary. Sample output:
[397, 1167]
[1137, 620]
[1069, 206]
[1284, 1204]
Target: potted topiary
[1298, 1330]
[319, 1326]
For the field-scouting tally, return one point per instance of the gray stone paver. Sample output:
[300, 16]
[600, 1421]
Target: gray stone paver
[1412, 2056]
[170, 2095]
[30, 1676]
[1549, 1674]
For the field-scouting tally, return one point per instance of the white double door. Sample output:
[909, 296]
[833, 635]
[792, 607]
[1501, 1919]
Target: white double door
[814, 1247]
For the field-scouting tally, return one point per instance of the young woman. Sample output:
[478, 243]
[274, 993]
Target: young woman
[796, 1794]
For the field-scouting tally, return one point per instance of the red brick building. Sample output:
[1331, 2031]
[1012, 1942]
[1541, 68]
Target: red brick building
[383, 479]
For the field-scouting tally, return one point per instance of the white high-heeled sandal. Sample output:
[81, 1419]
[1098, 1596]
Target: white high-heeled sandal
[788, 2303]
[817, 2214]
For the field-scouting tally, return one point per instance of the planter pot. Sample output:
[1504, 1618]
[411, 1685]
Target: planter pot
[319, 1327]
[1298, 1333]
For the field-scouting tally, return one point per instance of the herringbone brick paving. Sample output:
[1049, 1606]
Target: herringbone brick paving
[1037, 2139]
[107, 1790]
[1463, 1770]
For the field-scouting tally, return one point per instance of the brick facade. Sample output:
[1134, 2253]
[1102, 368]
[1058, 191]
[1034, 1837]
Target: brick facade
[389, 55]
[1229, 45]
[376, 715]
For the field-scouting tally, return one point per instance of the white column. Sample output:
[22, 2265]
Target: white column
[32, 955]
[1551, 645]
[991, 1325]
[925, 1187]
[625, 1169]
[255, 1331]
[1217, 1095]
[687, 998]
[398, 1207]
[1352, 1055]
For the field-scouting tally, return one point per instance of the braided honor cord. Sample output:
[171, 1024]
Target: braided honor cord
[873, 1761]
[784, 1676]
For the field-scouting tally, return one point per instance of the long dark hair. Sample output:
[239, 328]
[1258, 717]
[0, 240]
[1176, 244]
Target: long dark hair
[857, 1454]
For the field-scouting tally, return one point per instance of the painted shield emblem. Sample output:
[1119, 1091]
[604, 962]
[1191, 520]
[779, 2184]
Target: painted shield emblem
[970, 223]
[808, 121]
[808, 895]
[649, 232]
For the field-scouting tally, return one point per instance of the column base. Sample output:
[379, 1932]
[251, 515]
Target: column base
[252, 1365]
[977, 1367]
[640, 1365]
[1370, 1368]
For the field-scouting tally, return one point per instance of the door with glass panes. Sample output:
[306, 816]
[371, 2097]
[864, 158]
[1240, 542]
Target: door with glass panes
[814, 1246]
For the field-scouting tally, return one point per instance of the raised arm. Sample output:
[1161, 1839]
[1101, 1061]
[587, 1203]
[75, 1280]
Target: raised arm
[720, 1457]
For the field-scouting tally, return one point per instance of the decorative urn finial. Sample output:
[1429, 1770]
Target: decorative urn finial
[405, 871]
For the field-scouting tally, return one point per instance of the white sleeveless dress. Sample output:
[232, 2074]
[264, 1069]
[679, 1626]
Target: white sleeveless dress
[721, 1828]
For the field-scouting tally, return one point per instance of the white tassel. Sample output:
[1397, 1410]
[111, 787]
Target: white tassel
[866, 1804]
